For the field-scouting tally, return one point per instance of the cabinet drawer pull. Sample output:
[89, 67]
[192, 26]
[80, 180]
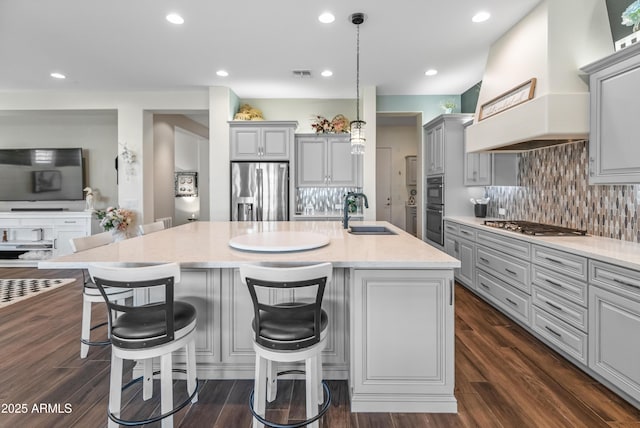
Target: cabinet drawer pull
[556, 261]
[619, 281]
[485, 286]
[555, 283]
[70, 221]
[558, 308]
[485, 260]
[552, 331]
[465, 232]
[511, 301]
[510, 271]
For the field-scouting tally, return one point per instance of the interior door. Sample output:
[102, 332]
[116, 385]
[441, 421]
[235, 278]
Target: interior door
[383, 184]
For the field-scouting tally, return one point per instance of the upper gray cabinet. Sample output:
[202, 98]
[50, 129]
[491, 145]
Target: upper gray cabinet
[326, 160]
[261, 140]
[614, 152]
[444, 130]
[489, 169]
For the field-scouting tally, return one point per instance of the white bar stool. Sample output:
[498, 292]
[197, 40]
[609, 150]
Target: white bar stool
[90, 293]
[148, 331]
[290, 331]
[156, 226]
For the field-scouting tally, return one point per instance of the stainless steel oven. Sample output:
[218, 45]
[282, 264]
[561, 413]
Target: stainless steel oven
[435, 190]
[435, 227]
[435, 210]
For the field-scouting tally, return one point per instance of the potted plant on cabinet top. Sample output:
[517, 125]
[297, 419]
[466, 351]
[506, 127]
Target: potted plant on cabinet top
[448, 106]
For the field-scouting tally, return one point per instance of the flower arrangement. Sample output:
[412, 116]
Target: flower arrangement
[115, 218]
[337, 125]
[448, 106]
[631, 15]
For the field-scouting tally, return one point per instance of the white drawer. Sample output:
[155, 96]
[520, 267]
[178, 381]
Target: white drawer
[615, 278]
[70, 221]
[560, 334]
[514, 247]
[565, 310]
[467, 232]
[450, 227]
[514, 302]
[560, 261]
[514, 271]
[8, 222]
[567, 287]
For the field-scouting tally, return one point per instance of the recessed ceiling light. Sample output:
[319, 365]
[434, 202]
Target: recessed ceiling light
[431, 72]
[327, 73]
[481, 16]
[222, 73]
[58, 76]
[174, 18]
[326, 18]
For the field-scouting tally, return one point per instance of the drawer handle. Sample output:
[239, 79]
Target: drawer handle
[511, 301]
[619, 281]
[558, 308]
[555, 283]
[69, 221]
[485, 286]
[555, 333]
[465, 232]
[555, 261]
[485, 260]
[510, 271]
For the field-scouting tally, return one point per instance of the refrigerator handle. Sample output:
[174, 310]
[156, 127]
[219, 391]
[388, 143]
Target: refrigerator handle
[260, 194]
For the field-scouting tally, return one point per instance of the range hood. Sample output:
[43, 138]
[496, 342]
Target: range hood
[549, 45]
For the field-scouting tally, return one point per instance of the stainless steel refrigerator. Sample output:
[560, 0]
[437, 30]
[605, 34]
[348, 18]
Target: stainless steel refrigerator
[259, 191]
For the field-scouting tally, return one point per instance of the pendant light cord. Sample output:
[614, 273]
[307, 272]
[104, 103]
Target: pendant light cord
[358, 72]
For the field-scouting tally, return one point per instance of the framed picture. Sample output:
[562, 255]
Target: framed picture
[518, 95]
[47, 181]
[624, 20]
[186, 183]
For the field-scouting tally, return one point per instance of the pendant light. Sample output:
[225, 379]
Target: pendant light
[357, 126]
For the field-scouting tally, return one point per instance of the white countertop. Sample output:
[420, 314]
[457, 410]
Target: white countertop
[622, 253]
[202, 244]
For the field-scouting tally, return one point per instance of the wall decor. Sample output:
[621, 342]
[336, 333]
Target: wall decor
[518, 95]
[186, 183]
[624, 20]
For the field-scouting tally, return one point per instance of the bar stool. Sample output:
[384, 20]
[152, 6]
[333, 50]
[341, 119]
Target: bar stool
[148, 331]
[288, 332]
[90, 293]
[156, 226]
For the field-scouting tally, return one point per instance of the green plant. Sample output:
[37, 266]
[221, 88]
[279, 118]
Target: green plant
[449, 104]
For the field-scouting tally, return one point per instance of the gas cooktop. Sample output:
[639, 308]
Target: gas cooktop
[535, 229]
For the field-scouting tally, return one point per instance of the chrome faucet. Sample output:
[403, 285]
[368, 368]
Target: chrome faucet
[345, 219]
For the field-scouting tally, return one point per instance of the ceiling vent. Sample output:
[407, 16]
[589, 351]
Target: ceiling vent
[302, 74]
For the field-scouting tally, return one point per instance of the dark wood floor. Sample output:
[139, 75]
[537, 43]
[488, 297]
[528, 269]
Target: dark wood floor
[504, 377]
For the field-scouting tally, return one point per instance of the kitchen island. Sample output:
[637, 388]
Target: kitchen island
[390, 305]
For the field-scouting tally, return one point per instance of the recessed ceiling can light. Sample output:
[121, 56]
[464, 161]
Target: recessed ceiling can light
[222, 73]
[327, 73]
[174, 18]
[326, 18]
[58, 76]
[481, 16]
[431, 72]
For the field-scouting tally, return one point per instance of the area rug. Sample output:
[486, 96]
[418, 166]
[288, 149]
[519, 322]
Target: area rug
[15, 290]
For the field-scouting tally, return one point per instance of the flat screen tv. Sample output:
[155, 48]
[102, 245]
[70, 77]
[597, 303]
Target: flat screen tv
[41, 174]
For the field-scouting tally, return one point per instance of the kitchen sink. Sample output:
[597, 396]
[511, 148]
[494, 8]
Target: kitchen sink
[370, 230]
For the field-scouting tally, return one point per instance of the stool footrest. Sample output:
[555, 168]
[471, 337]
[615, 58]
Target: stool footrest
[129, 423]
[323, 409]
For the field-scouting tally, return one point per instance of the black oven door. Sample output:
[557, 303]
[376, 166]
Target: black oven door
[435, 224]
[435, 191]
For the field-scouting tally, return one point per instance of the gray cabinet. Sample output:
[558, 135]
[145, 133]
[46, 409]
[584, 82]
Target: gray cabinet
[614, 155]
[435, 149]
[326, 160]
[459, 242]
[261, 140]
[411, 170]
[411, 219]
[614, 323]
[489, 169]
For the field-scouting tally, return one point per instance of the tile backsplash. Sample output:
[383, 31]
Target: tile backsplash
[323, 200]
[554, 189]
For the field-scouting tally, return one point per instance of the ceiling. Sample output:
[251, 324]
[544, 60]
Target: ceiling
[128, 45]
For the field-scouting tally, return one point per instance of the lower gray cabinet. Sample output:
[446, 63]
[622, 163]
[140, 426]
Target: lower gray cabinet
[614, 323]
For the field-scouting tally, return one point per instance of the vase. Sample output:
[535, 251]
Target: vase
[119, 235]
